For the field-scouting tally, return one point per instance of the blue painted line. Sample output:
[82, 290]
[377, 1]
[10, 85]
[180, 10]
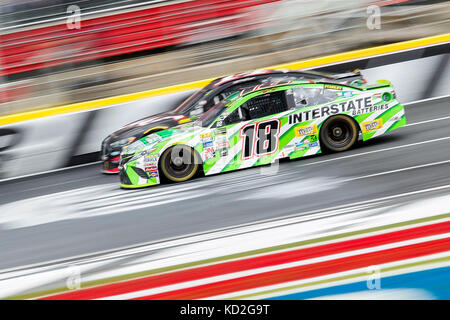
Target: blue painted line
[436, 283]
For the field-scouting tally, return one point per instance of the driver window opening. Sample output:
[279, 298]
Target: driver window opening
[265, 105]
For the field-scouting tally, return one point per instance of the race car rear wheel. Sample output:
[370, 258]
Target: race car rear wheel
[179, 163]
[338, 133]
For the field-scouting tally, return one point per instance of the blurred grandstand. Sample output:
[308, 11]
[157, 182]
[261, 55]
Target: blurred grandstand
[125, 46]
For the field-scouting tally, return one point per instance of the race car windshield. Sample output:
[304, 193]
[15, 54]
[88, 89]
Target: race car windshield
[213, 113]
[187, 104]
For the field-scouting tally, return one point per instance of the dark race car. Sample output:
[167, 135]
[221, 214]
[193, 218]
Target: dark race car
[203, 100]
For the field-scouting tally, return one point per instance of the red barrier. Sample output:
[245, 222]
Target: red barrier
[134, 31]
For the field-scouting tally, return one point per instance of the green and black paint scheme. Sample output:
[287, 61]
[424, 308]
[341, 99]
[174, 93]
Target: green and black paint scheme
[259, 125]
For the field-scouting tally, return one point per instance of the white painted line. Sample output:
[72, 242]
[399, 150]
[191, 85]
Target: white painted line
[425, 121]
[51, 171]
[128, 8]
[248, 272]
[398, 170]
[427, 99]
[376, 151]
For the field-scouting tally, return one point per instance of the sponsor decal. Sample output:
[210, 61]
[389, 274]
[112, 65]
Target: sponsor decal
[332, 86]
[206, 135]
[207, 140]
[305, 131]
[153, 174]
[300, 146]
[208, 144]
[222, 145]
[209, 155]
[153, 158]
[353, 107]
[221, 138]
[220, 131]
[347, 94]
[312, 138]
[314, 144]
[151, 168]
[371, 125]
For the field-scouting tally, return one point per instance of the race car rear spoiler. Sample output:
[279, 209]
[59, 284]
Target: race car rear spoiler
[341, 76]
[351, 78]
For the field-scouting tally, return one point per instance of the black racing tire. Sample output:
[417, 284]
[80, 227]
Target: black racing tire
[338, 133]
[180, 166]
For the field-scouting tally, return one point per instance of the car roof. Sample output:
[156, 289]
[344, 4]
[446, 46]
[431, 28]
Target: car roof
[269, 85]
[281, 83]
[248, 76]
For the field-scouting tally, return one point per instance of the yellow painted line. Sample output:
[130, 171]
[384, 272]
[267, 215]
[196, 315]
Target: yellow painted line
[365, 53]
[340, 57]
[82, 106]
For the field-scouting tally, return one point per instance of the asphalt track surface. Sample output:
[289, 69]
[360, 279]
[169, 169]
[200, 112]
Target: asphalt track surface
[80, 211]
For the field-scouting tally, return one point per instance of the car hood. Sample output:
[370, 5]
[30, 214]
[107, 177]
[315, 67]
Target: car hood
[157, 141]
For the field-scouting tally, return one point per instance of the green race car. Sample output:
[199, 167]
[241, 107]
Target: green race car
[260, 125]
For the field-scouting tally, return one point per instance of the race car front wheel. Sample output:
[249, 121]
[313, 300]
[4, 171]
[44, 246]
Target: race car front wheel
[338, 133]
[179, 163]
